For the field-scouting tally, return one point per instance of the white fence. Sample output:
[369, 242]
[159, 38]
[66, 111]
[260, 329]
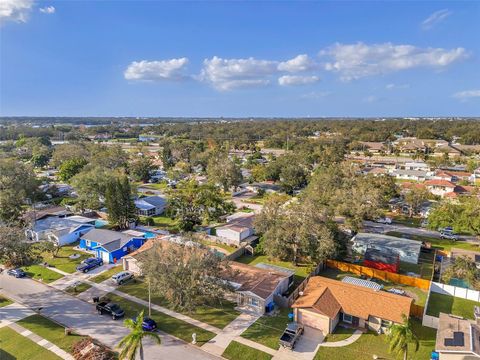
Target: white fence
[430, 321]
[456, 291]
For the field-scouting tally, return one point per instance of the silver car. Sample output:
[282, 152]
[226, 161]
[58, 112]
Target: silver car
[122, 277]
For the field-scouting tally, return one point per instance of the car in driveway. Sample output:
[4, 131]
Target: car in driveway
[89, 264]
[111, 309]
[291, 335]
[122, 276]
[18, 273]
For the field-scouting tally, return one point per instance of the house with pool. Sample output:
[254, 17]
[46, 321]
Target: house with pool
[111, 246]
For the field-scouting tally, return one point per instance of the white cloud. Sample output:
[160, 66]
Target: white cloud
[228, 74]
[397, 86]
[287, 80]
[354, 61]
[171, 69]
[15, 10]
[435, 18]
[47, 10]
[297, 64]
[466, 94]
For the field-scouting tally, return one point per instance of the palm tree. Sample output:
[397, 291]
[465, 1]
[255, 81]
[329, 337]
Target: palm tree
[133, 341]
[400, 336]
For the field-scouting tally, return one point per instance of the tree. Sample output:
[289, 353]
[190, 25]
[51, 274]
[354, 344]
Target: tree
[292, 176]
[70, 168]
[193, 204]
[224, 171]
[48, 247]
[140, 168]
[14, 248]
[400, 336]
[187, 276]
[133, 342]
[119, 202]
[167, 158]
[463, 268]
[415, 198]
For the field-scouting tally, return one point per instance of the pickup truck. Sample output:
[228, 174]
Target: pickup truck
[89, 264]
[110, 308]
[290, 335]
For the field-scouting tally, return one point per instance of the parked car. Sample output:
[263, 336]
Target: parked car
[111, 309]
[148, 324]
[18, 273]
[290, 335]
[122, 277]
[89, 264]
[384, 220]
[448, 235]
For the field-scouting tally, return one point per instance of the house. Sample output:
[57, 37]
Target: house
[452, 176]
[417, 165]
[151, 205]
[439, 187]
[255, 288]
[59, 229]
[457, 338]
[414, 175]
[131, 262]
[407, 250]
[237, 230]
[110, 245]
[374, 147]
[382, 260]
[326, 302]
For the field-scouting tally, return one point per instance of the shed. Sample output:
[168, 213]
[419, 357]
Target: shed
[385, 260]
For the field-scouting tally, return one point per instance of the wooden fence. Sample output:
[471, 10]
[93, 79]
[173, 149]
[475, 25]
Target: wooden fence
[417, 311]
[379, 274]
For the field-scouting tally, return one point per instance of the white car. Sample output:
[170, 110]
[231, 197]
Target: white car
[384, 220]
[122, 277]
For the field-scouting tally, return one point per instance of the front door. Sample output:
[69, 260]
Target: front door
[354, 321]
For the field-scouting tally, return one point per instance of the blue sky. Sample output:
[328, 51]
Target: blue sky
[153, 58]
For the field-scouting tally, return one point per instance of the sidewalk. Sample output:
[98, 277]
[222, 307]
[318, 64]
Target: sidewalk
[345, 342]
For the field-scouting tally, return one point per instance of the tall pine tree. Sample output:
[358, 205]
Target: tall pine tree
[119, 203]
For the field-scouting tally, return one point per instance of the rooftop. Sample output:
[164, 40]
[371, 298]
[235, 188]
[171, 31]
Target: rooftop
[455, 334]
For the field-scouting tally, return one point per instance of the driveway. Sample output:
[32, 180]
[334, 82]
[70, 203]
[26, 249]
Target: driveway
[82, 317]
[239, 202]
[305, 348]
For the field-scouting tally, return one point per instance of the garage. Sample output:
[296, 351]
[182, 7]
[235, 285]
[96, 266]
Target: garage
[313, 320]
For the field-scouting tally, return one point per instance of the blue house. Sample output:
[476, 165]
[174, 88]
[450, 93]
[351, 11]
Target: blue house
[110, 246]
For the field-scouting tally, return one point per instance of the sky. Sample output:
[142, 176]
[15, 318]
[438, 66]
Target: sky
[239, 59]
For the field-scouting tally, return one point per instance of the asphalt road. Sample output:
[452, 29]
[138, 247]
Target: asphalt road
[82, 317]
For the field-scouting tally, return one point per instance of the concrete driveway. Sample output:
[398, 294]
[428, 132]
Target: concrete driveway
[82, 317]
[305, 348]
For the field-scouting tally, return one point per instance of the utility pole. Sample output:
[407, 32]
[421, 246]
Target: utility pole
[149, 299]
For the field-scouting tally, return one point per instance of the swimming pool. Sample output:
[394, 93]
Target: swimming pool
[100, 223]
[149, 235]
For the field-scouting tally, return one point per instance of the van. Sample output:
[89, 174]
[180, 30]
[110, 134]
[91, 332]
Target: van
[122, 276]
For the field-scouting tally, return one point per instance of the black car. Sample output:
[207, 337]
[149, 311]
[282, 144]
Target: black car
[18, 273]
[111, 309]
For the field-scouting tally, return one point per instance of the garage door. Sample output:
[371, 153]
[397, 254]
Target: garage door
[314, 321]
[105, 257]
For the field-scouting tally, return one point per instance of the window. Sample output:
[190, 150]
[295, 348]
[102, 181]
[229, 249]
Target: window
[87, 242]
[253, 301]
[347, 318]
[385, 323]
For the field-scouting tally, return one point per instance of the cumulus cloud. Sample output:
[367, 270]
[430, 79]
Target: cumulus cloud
[297, 64]
[145, 70]
[15, 10]
[467, 94]
[354, 61]
[228, 74]
[47, 10]
[287, 80]
[435, 18]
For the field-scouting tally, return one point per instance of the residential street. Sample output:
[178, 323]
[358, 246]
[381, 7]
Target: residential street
[82, 317]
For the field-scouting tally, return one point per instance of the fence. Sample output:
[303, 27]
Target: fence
[417, 311]
[456, 291]
[237, 253]
[379, 274]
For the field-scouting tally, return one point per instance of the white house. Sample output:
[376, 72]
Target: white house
[417, 165]
[237, 230]
[414, 175]
[151, 205]
[439, 187]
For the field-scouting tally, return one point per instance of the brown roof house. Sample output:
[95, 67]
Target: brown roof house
[237, 230]
[256, 287]
[326, 302]
[457, 338]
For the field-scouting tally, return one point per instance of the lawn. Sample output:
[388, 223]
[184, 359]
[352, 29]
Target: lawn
[405, 220]
[268, 329]
[163, 222]
[78, 289]
[424, 267]
[39, 272]
[440, 244]
[340, 333]
[107, 274]
[370, 344]
[419, 295]
[4, 302]
[228, 248]
[450, 305]
[301, 271]
[51, 331]
[237, 351]
[219, 315]
[62, 260]
[15, 346]
[162, 185]
[170, 325]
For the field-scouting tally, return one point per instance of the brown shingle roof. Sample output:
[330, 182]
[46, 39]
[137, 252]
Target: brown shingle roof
[443, 183]
[323, 294]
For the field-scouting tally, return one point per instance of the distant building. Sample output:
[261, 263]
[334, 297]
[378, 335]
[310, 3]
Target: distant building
[151, 205]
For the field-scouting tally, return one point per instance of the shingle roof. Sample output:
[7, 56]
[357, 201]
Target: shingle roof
[443, 183]
[330, 296]
[110, 240]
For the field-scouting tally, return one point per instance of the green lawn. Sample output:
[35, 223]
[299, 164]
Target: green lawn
[163, 222]
[42, 273]
[339, 334]
[107, 274]
[405, 220]
[15, 346]
[62, 260]
[419, 295]
[301, 271]
[450, 305]
[166, 323]
[437, 243]
[424, 267]
[370, 344]
[78, 289]
[51, 331]
[4, 301]
[268, 329]
[237, 351]
[219, 315]
[228, 248]
[162, 185]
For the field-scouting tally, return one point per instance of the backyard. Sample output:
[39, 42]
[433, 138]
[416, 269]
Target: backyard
[218, 315]
[15, 346]
[163, 222]
[438, 303]
[424, 268]
[237, 351]
[106, 274]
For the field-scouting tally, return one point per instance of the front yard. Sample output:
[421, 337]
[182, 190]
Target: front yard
[15, 346]
[4, 301]
[77, 289]
[340, 333]
[218, 315]
[268, 329]
[450, 305]
[106, 274]
[40, 272]
[62, 261]
[238, 351]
